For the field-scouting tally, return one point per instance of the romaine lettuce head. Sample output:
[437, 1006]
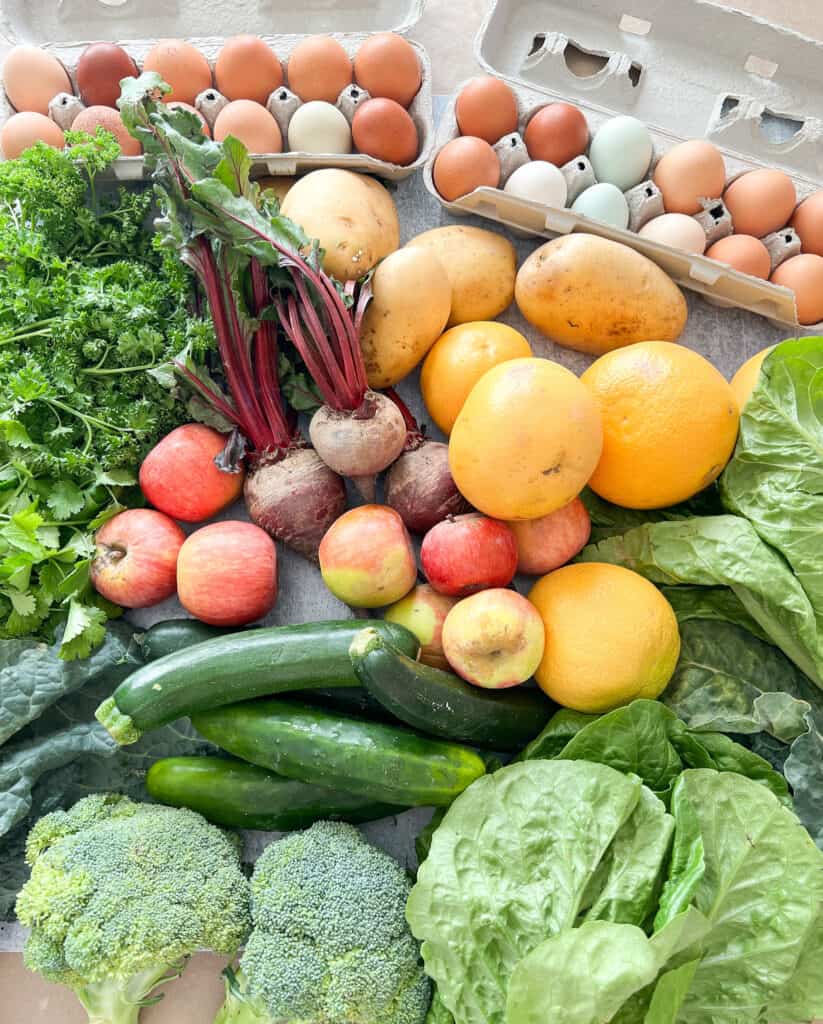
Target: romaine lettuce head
[553, 892]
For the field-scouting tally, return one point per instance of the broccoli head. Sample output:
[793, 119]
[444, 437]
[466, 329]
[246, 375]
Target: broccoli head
[121, 893]
[330, 943]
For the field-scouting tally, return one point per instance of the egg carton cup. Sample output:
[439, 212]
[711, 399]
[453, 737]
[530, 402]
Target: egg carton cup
[716, 281]
[132, 168]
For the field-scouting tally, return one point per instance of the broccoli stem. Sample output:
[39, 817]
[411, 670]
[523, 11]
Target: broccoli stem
[119, 1000]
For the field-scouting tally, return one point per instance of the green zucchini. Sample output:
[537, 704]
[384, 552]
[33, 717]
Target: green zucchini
[389, 764]
[175, 635]
[237, 667]
[441, 703]
[240, 795]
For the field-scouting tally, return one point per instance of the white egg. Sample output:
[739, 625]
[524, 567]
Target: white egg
[677, 230]
[318, 127]
[621, 152]
[540, 181]
[603, 202]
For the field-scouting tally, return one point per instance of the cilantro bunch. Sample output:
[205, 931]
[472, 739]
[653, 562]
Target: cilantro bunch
[92, 314]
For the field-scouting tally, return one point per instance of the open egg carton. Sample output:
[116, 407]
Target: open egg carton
[64, 28]
[690, 70]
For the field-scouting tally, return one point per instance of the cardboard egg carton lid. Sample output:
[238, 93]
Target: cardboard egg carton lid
[688, 69]
[66, 27]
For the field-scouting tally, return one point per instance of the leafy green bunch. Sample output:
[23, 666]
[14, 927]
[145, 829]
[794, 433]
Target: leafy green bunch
[92, 313]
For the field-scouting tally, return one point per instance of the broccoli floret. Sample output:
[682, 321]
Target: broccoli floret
[121, 894]
[330, 943]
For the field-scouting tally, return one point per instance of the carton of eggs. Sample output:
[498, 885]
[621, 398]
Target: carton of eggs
[318, 100]
[684, 200]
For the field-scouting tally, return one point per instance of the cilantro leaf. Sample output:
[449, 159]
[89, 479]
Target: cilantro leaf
[65, 499]
[85, 629]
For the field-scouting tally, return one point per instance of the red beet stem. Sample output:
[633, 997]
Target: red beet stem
[415, 436]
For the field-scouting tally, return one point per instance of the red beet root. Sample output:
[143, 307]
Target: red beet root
[420, 487]
[295, 499]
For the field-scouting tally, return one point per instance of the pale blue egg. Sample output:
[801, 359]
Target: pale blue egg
[621, 152]
[603, 202]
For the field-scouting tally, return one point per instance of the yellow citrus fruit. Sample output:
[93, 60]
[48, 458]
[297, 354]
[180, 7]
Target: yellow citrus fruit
[526, 440]
[745, 380]
[457, 361]
[611, 636]
[669, 424]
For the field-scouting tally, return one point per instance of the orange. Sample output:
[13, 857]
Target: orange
[526, 440]
[745, 380]
[669, 424]
[611, 636]
[457, 361]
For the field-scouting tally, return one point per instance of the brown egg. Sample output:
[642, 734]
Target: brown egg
[24, 129]
[464, 164]
[383, 129]
[99, 71]
[177, 105]
[804, 275]
[252, 124]
[181, 65]
[92, 118]
[32, 78]
[319, 69]
[808, 223]
[387, 65]
[247, 69]
[688, 173]
[760, 202]
[744, 253]
[487, 109]
[557, 133]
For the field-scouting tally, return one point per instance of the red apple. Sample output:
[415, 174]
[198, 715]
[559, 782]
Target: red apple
[423, 611]
[494, 639]
[545, 544]
[366, 557]
[179, 475]
[136, 560]
[227, 574]
[464, 554]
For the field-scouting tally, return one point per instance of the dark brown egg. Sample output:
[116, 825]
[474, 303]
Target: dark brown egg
[557, 133]
[383, 129]
[99, 71]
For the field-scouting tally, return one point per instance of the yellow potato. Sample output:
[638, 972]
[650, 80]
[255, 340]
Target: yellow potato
[353, 217]
[412, 299]
[595, 295]
[480, 266]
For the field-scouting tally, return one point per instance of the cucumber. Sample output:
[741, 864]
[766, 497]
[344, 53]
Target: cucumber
[441, 703]
[239, 795]
[175, 635]
[237, 667]
[380, 762]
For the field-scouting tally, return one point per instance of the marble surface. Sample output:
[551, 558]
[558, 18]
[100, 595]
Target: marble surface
[727, 337]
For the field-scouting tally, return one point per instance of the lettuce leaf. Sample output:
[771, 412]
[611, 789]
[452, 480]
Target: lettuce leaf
[506, 905]
[648, 739]
[775, 478]
[762, 892]
[516, 860]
